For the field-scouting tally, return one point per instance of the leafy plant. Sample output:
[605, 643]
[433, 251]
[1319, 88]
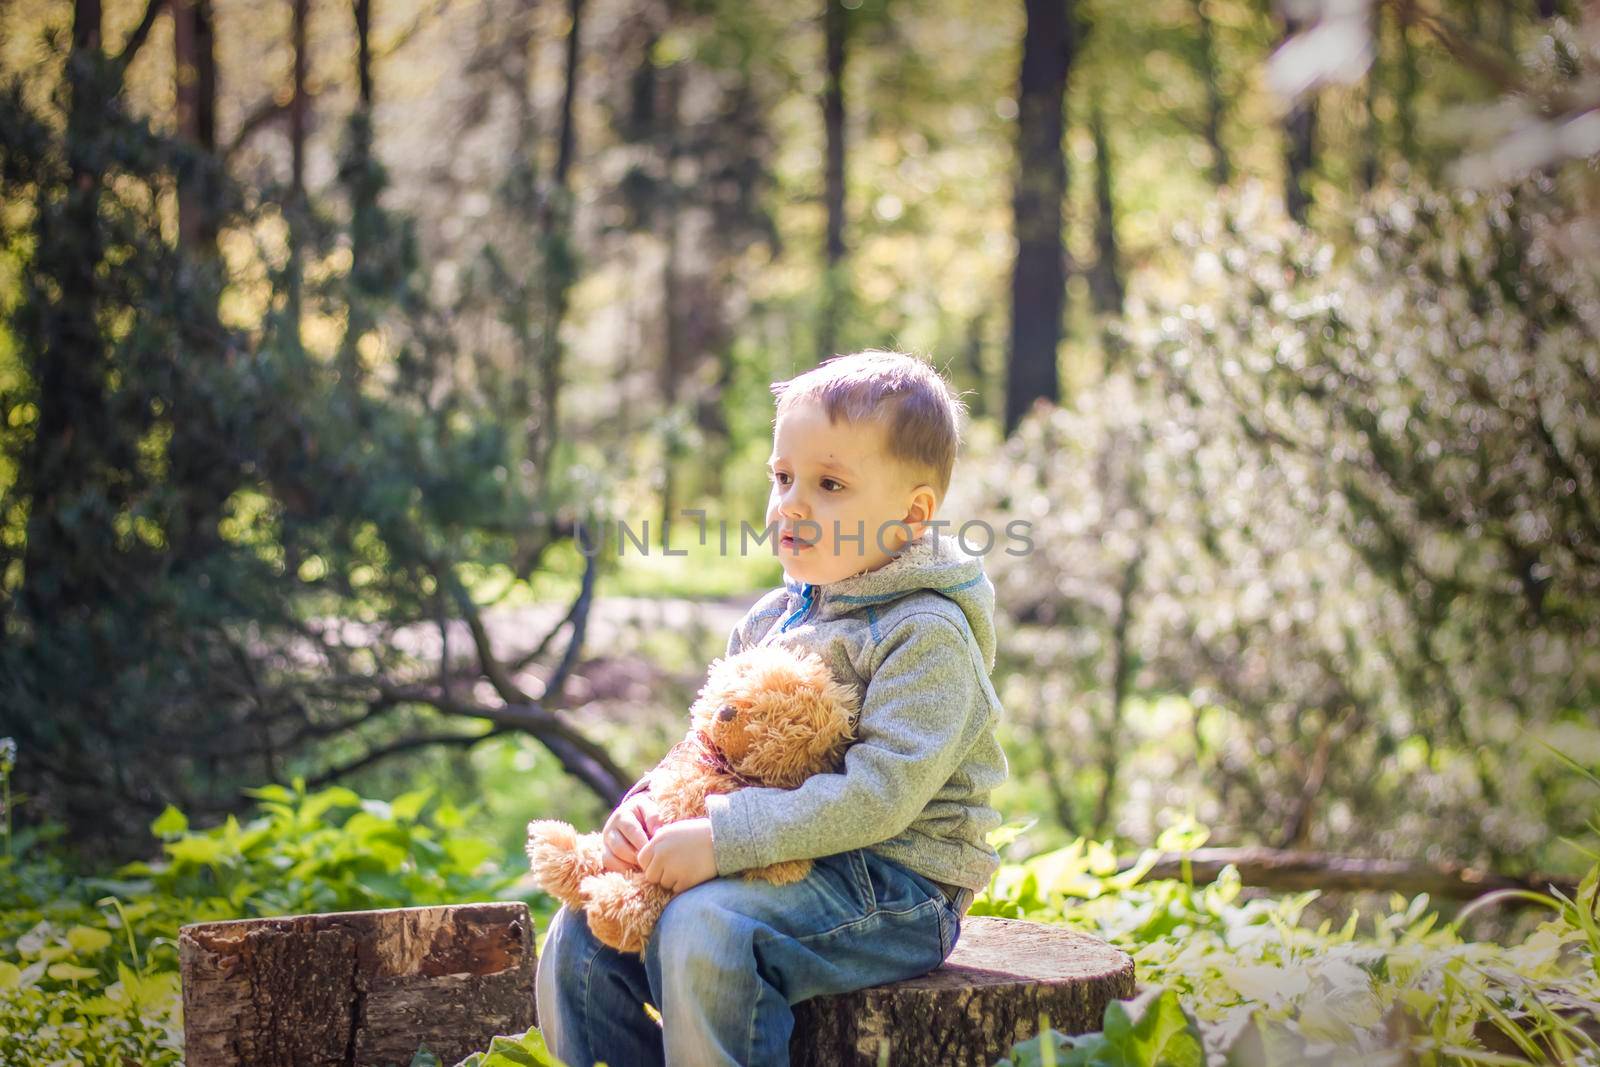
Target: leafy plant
[88, 966]
[1262, 988]
[1149, 1029]
[509, 1050]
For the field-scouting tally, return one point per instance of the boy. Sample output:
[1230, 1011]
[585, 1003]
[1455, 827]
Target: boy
[863, 449]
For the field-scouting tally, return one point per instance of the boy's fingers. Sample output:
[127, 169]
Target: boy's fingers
[610, 862]
[633, 834]
[617, 844]
[645, 817]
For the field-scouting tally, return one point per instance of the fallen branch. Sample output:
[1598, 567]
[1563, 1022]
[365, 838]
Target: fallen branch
[1272, 868]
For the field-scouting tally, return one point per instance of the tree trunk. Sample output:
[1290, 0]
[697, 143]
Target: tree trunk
[1003, 975]
[557, 263]
[207, 484]
[1038, 282]
[836, 23]
[1300, 133]
[1371, 158]
[362, 987]
[363, 18]
[1221, 165]
[1122, 669]
[297, 207]
[1105, 279]
[674, 360]
[194, 52]
[567, 138]
[1406, 101]
[519, 195]
[362, 184]
[74, 430]
[978, 406]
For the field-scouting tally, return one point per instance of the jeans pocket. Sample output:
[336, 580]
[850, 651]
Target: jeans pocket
[950, 929]
[842, 881]
[857, 858]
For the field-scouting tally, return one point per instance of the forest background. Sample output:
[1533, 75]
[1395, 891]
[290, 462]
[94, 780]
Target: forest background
[342, 336]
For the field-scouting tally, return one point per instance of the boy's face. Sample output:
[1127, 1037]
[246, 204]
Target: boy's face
[836, 492]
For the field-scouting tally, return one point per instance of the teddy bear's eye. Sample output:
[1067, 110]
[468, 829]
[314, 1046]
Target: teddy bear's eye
[726, 712]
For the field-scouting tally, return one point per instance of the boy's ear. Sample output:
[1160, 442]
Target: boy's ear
[924, 502]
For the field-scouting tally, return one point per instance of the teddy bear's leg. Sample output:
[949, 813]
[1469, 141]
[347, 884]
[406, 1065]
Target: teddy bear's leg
[781, 873]
[622, 908]
[560, 858]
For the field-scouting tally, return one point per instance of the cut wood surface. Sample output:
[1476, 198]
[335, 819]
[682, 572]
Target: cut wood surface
[1271, 868]
[351, 989]
[365, 989]
[986, 997]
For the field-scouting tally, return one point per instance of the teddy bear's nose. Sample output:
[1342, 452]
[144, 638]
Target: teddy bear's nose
[727, 712]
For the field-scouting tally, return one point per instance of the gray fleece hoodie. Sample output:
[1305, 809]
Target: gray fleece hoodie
[916, 639]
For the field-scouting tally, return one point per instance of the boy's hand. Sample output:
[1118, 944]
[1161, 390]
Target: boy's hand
[679, 856]
[626, 831]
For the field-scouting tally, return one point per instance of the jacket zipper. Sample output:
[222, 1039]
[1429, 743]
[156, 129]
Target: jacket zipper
[807, 602]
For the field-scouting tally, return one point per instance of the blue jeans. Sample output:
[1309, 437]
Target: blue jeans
[728, 958]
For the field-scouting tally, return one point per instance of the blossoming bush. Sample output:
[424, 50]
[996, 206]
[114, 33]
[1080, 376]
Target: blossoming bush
[1322, 551]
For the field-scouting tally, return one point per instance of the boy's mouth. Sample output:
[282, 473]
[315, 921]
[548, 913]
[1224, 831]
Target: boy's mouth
[793, 544]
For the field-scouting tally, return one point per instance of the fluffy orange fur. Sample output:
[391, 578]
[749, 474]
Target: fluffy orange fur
[790, 719]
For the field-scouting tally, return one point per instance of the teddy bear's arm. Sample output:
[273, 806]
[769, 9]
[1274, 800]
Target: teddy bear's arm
[680, 786]
[781, 873]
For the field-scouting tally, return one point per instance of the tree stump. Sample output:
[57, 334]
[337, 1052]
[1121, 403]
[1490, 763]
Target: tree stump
[985, 998]
[365, 988]
[358, 988]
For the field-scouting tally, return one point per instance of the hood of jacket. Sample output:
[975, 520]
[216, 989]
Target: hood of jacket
[936, 563]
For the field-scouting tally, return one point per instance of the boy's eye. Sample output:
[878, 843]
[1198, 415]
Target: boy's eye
[778, 476]
[827, 481]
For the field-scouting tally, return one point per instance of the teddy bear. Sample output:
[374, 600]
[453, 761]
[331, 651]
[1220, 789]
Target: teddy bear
[766, 716]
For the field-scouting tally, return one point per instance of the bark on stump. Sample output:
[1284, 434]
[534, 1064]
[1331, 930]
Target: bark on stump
[985, 998]
[358, 988]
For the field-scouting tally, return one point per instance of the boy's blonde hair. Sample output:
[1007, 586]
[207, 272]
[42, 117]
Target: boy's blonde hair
[919, 409]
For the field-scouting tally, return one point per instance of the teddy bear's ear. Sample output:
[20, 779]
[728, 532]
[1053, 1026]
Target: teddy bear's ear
[798, 716]
[722, 677]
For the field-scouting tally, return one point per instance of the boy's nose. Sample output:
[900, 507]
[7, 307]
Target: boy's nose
[792, 504]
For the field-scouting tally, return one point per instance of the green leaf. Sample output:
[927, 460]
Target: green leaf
[527, 1050]
[1263, 1041]
[270, 792]
[67, 972]
[336, 796]
[1001, 836]
[1153, 1030]
[170, 823]
[87, 940]
[200, 851]
[467, 852]
[407, 806]
[1185, 835]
